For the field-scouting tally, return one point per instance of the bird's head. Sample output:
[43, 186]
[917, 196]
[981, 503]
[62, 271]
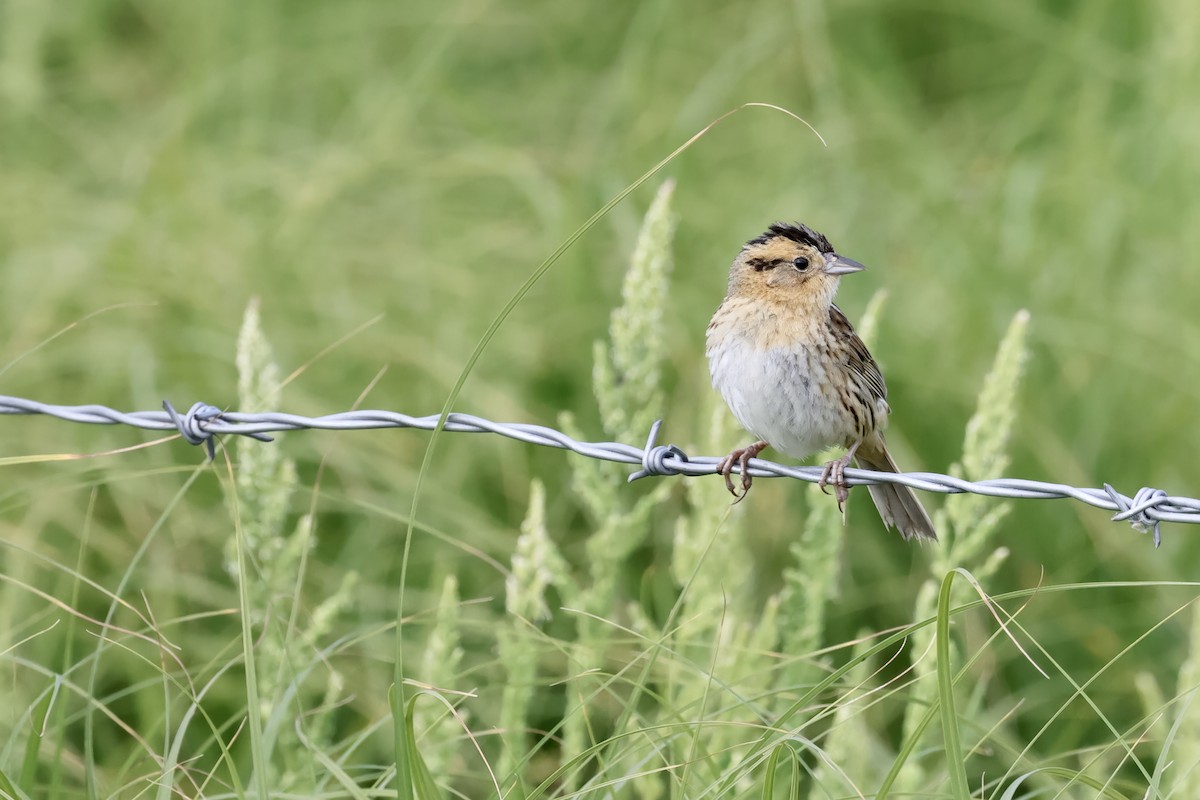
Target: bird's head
[789, 264]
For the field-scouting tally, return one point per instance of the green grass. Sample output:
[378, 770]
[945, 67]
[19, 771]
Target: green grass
[165, 163]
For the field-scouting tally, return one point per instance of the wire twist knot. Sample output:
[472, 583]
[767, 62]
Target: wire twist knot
[1137, 511]
[657, 458]
[191, 425]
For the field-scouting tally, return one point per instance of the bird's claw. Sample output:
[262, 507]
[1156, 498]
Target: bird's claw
[834, 472]
[725, 467]
[741, 457]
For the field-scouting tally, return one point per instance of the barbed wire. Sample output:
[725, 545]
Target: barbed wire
[1145, 510]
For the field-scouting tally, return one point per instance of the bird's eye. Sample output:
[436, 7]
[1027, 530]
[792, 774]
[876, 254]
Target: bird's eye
[800, 263]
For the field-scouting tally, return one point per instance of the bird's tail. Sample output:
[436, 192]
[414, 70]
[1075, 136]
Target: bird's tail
[898, 505]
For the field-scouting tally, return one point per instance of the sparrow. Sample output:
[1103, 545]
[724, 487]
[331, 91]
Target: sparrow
[795, 374]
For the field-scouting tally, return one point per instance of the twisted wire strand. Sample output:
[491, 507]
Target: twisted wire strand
[1145, 510]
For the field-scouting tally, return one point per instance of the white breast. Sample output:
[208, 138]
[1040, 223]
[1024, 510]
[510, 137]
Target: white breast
[779, 394]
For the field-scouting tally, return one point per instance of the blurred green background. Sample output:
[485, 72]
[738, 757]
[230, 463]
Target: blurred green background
[167, 162]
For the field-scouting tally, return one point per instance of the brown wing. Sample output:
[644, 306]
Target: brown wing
[858, 357]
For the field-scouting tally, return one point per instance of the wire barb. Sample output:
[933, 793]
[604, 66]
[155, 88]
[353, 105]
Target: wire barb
[1145, 510]
[1135, 512]
[656, 458]
[193, 427]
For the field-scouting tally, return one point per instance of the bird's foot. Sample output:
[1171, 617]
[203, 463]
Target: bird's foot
[741, 457]
[834, 473]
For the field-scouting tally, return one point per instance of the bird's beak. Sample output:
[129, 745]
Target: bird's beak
[840, 265]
